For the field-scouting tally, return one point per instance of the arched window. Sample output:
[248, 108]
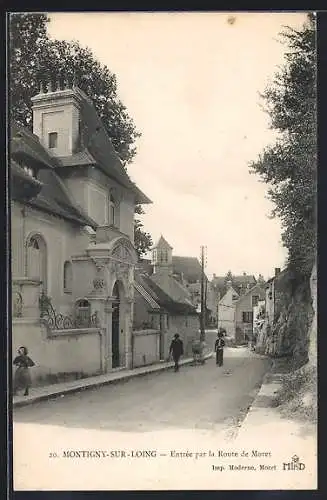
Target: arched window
[36, 259]
[68, 277]
[83, 313]
[112, 211]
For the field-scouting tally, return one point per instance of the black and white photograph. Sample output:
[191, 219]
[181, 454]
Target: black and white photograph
[163, 238]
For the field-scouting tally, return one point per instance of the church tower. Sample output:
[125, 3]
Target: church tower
[162, 257]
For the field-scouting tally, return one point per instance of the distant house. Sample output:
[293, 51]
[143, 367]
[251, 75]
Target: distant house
[226, 310]
[241, 284]
[188, 271]
[163, 306]
[272, 340]
[244, 312]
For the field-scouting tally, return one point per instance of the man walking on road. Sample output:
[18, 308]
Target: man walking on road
[219, 348]
[176, 349]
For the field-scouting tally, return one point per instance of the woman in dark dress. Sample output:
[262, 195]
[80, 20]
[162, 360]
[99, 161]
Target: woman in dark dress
[22, 379]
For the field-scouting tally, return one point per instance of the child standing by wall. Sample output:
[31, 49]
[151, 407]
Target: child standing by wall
[22, 379]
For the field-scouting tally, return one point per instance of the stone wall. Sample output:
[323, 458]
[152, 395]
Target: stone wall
[288, 334]
[146, 347]
[58, 353]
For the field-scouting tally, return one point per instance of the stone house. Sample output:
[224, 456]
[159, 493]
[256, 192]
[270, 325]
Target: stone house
[188, 272]
[244, 313]
[163, 305]
[72, 239]
[227, 312]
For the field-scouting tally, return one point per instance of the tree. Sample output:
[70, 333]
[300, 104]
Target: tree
[229, 276]
[289, 165]
[28, 35]
[34, 56]
[143, 240]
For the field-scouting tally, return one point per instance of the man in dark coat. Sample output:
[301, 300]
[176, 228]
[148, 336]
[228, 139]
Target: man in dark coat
[176, 349]
[219, 348]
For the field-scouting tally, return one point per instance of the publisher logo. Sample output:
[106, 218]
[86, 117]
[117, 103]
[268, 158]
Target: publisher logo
[295, 464]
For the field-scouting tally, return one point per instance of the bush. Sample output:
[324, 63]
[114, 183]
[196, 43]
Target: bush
[298, 394]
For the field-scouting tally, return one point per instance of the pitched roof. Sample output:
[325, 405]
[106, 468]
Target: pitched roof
[235, 292]
[162, 298]
[190, 267]
[98, 149]
[146, 295]
[26, 146]
[52, 195]
[239, 283]
[54, 199]
[172, 287]
[251, 290]
[23, 185]
[162, 242]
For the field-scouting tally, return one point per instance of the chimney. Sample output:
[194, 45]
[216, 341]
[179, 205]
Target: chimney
[214, 276]
[56, 116]
[277, 271]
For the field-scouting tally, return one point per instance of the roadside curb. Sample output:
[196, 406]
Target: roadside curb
[123, 377]
[264, 396]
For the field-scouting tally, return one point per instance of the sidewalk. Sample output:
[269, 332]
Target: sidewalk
[286, 438]
[121, 375]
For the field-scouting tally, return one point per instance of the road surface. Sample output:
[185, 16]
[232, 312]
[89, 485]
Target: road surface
[197, 397]
[165, 414]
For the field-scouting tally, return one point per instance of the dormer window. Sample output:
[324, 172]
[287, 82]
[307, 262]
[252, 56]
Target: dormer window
[53, 140]
[29, 171]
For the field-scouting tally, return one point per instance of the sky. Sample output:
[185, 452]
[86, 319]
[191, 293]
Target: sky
[191, 83]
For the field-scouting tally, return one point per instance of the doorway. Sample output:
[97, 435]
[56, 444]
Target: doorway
[115, 327]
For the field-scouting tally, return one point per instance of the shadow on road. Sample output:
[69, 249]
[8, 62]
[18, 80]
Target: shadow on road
[198, 397]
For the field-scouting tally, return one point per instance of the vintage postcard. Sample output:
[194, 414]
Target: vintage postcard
[163, 243]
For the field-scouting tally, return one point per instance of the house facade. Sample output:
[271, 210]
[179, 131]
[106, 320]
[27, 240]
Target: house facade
[72, 230]
[227, 312]
[244, 313]
[188, 271]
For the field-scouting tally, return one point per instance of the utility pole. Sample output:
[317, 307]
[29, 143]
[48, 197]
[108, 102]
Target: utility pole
[203, 305]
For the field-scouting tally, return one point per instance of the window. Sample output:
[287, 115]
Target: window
[36, 259]
[165, 257]
[186, 321]
[68, 277]
[255, 300]
[235, 297]
[112, 211]
[247, 317]
[83, 313]
[53, 140]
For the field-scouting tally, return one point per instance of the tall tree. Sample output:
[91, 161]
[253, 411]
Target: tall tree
[289, 165]
[143, 240]
[33, 55]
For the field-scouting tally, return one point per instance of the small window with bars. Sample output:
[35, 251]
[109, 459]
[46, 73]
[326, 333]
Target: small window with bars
[83, 313]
